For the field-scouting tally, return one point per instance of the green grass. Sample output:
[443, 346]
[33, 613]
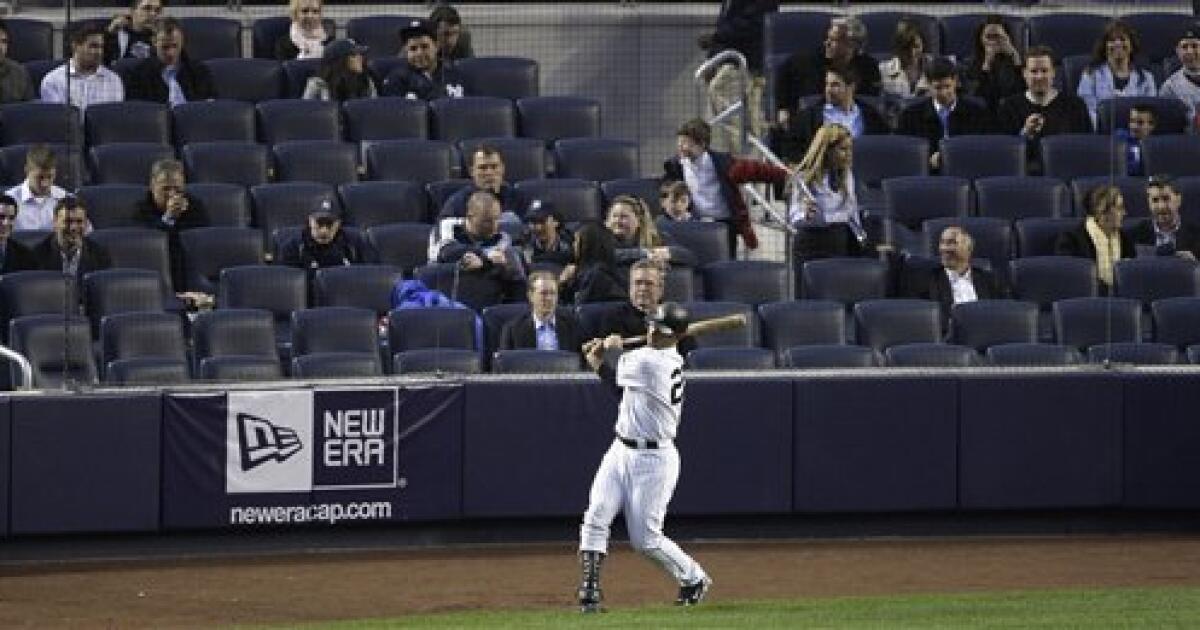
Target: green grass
[1100, 608]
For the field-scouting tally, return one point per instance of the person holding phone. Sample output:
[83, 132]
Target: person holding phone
[168, 207]
[132, 34]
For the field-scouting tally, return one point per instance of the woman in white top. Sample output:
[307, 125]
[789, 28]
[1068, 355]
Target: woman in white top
[342, 75]
[824, 207]
[306, 37]
[904, 74]
[1113, 72]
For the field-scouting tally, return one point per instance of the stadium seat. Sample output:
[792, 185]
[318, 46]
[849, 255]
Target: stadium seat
[439, 192]
[881, 157]
[1032, 355]
[1189, 187]
[911, 200]
[845, 280]
[358, 286]
[885, 323]
[414, 160]
[744, 337]
[127, 121]
[250, 80]
[436, 361]
[1177, 321]
[34, 293]
[1157, 277]
[1037, 236]
[1047, 279]
[930, 355]
[275, 289]
[975, 157]
[993, 237]
[801, 323]
[379, 33]
[1087, 321]
[958, 33]
[235, 332]
[533, 361]
[680, 284]
[881, 28]
[70, 175]
[127, 162]
[1133, 191]
[524, 158]
[337, 330]
[1174, 154]
[986, 323]
[369, 204]
[457, 119]
[591, 317]
[137, 248]
[289, 203]
[646, 189]
[1193, 354]
[296, 73]
[404, 245]
[1067, 33]
[576, 199]
[58, 350]
[1134, 353]
[830, 356]
[112, 291]
[431, 327]
[214, 121]
[1171, 114]
[504, 77]
[284, 120]
[322, 161]
[731, 359]
[212, 37]
[1014, 198]
[552, 118]
[751, 282]
[227, 205]
[385, 118]
[596, 159]
[337, 365]
[708, 240]
[242, 163]
[1158, 33]
[1071, 71]
[264, 32]
[29, 40]
[140, 335]
[474, 290]
[149, 371]
[208, 250]
[36, 122]
[380, 68]
[112, 205]
[1070, 155]
[787, 32]
[239, 369]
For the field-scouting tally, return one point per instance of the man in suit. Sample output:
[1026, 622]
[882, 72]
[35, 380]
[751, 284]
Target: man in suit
[168, 75]
[956, 281]
[13, 255]
[543, 327]
[1166, 232]
[167, 207]
[67, 249]
[840, 106]
[944, 114]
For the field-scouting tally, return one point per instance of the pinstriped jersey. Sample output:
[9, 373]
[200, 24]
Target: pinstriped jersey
[652, 379]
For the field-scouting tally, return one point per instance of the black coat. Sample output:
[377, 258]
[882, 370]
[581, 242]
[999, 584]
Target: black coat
[1187, 237]
[444, 82]
[740, 27]
[48, 256]
[519, 333]
[148, 215]
[1002, 81]
[145, 82]
[1067, 113]
[140, 45]
[1079, 243]
[803, 74]
[939, 288]
[17, 257]
[921, 120]
[627, 321]
[794, 140]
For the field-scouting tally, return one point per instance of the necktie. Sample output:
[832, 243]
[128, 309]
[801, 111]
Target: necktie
[944, 116]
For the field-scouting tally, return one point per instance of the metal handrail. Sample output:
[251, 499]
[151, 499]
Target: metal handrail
[23, 363]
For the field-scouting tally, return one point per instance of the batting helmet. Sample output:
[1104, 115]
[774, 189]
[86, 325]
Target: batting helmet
[670, 318]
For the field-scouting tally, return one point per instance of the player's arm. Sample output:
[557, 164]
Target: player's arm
[593, 353]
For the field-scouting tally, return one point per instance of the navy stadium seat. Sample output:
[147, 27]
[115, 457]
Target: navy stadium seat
[930, 355]
[884, 323]
[112, 205]
[731, 359]
[113, 291]
[337, 365]
[436, 361]
[680, 284]
[505, 77]
[127, 121]
[289, 204]
[416, 160]
[1033, 355]
[1067, 33]
[358, 286]
[405, 245]
[283, 120]
[439, 192]
[707, 240]
[324, 161]
[1158, 32]
[787, 32]
[29, 40]
[296, 73]
[335, 329]
[36, 122]
[744, 337]
[208, 250]
[432, 327]
[136, 248]
[457, 119]
[1084, 322]
[1047, 279]
[1014, 198]
[242, 163]
[250, 80]
[524, 158]
[273, 288]
[239, 369]
[385, 118]
[214, 121]
[54, 346]
[533, 361]
[226, 204]
[830, 356]
[751, 282]
[911, 200]
[802, 322]
[845, 280]
[986, 323]
[1037, 236]
[576, 199]
[1134, 353]
[1070, 155]
[34, 293]
[881, 157]
[138, 335]
[596, 159]
[1154, 278]
[1175, 154]
[976, 156]
[212, 37]
[149, 371]
[551, 118]
[1177, 321]
[127, 162]
[37, 70]
[235, 332]
[368, 204]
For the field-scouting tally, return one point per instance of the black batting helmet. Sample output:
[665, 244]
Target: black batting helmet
[670, 318]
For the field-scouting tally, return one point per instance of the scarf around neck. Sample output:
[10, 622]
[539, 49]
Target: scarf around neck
[309, 43]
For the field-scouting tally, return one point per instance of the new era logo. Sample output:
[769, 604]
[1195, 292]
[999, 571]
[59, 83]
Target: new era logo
[260, 441]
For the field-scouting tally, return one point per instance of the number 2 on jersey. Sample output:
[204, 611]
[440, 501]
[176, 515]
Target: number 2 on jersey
[677, 386]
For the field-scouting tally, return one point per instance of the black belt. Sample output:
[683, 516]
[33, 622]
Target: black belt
[638, 443]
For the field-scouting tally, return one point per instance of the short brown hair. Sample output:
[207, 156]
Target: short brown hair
[166, 166]
[1040, 50]
[697, 130]
[40, 157]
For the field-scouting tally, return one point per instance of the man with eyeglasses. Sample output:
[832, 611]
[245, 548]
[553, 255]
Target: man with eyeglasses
[13, 255]
[68, 249]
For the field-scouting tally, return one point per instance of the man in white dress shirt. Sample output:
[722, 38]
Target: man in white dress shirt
[89, 81]
[37, 196]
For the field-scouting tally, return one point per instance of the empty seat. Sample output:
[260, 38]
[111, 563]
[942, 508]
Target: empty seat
[533, 361]
[1047, 279]
[644, 188]
[265, 32]
[830, 356]
[137, 248]
[227, 205]
[36, 122]
[379, 33]
[457, 119]
[731, 359]
[214, 121]
[29, 40]
[289, 204]
[802, 322]
[436, 361]
[34, 293]
[239, 369]
[337, 365]
[242, 163]
[1189, 187]
[250, 80]
[576, 200]
[1037, 236]
[505, 77]
[845, 280]
[1193, 354]
[212, 37]
[359, 286]
[295, 119]
[432, 327]
[524, 158]
[679, 284]
[235, 332]
[1172, 154]
[707, 240]
[881, 157]
[986, 323]
[69, 175]
[150, 371]
[128, 121]
[1014, 198]
[113, 291]
[1158, 33]
[993, 237]
[1157, 277]
[1072, 69]
[327, 162]
[127, 163]
[336, 330]
[385, 118]
[415, 160]
[112, 205]
[478, 291]
[1067, 33]
[911, 200]
[404, 245]
[1171, 115]
[1177, 321]
[551, 118]
[1033, 355]
[1134, 353]
[277, 290]
[368, 204]
[1071, 155]
[209, 250]
[979, 156]
[1087, 321]
[134, 336]
[745, 337]
[596, 159]
[930, 355]
[1133, 192]
[58, 350]
[885, 323]
[748, 281]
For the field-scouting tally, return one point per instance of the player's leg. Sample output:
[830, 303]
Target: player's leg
[604, 501]
[653, 475]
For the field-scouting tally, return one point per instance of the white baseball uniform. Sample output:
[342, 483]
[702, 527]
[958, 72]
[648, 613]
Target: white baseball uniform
[637, 479]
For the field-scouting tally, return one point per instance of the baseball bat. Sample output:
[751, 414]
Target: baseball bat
[697, 328]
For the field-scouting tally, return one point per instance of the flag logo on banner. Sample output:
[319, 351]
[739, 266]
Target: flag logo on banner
[260, 441]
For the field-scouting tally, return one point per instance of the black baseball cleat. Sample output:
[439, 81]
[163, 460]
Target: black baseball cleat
[589, 600]
[693, 594]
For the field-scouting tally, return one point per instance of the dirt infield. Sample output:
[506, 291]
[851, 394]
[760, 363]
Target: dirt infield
[327, 586]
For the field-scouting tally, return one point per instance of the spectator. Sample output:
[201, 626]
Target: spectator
[1184, 84]
[453, 41]
[487, 174]
[804, 74]
[13, 255]
[37, 196]
[14, 79]
[712, 179]
[1042, 110]
[479, 247]
[342, 75]
[593, 277]
[423, 75]
[67, 249]
[323, 243]
[1100, 236]
[740, 28]
[904, 75]
[549, 242]
[132, 34]
[1112, 72]
[169, 76]
[168, 207]
[993, 72]
[306, 37]
[647, 282]
[957, 281]
[839, 106]
[544, 327]
[675, 200]
[1142, 121]
[1166, 232]
[637, 236]
[90, 81]
[824, 207]
[943, 115]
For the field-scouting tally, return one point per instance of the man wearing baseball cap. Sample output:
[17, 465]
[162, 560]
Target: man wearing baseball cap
[323, 243]
[1184, 84]
[423, 75]
[548, 240]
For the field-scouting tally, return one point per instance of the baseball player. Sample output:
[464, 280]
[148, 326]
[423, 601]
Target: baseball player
[639, 471]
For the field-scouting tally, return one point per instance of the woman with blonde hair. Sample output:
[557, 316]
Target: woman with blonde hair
[637, 236]
[824, 205]
[1100, 236]
[306, 37]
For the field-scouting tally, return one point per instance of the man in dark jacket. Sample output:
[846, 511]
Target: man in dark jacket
[740, 28]
[1166, 232]
[423, 75]
[840, 106]
[544, 327]
[130, 34]
[957, 281]
[167, 207]
[647, 282]
[487, 174]
[548, 241]
[13, 255]
[67, 249]
[169, 76]
[323, 243]
[944, 114]
[480, 248]
[803, 74]
[1042, 110]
